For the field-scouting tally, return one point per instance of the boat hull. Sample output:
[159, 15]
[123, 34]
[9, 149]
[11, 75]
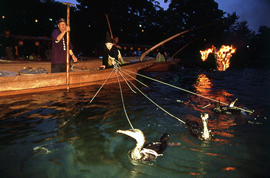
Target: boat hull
[22, 84]
[162, 66]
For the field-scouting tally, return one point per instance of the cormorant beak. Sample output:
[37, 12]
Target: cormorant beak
[130, 132]
[204, 116]
[232, 103]
[134, 133]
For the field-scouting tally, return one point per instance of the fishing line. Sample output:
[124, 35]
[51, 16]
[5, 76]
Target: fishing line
[127, 82]
[123, 102]
[117, 67]
[134, 78]
[155, 103]
[100, 88]
[186, 90]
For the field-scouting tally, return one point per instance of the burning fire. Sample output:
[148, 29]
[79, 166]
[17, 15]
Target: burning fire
[222, 56]
[205, 53]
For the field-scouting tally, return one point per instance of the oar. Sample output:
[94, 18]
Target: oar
[109, 25]
[68, 10]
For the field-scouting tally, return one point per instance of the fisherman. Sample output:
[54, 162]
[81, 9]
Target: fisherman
[120, 58]
[161, 55]
[58, 63]
[109, 50]
[21, 49]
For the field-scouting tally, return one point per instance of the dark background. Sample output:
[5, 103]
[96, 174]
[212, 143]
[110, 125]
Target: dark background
[141, 22]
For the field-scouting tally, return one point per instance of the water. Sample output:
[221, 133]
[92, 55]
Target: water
[58, 134]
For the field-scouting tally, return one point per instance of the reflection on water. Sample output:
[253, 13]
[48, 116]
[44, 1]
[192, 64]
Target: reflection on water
[60, 134]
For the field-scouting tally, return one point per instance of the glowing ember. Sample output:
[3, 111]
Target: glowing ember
[222, 56]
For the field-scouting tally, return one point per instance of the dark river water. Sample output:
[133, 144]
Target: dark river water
[60, 134]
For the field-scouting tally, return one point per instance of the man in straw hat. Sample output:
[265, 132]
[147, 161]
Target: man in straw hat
[58, 63]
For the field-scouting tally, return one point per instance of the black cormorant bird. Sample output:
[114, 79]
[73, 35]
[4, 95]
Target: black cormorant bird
[199, 132]
[149, 151]
[229, 109]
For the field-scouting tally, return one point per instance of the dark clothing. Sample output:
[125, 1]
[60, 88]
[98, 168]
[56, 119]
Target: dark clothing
[9, 54]
[59, 53]
[162, 50]
[113, 53]
[22, 51]
[35, 50]
[8, 44]
[38, 51]
[58, 68]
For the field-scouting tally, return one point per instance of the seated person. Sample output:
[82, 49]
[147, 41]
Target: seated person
[35, 52]
[161, 55]
[109, 50]
[21, 49]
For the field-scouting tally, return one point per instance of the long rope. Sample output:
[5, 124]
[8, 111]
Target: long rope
[155, 103]
[134, 78]
[186, 90]
[100, 87]
[126, 80]
[123, 102]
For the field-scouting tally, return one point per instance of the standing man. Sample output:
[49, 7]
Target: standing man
[59, 54]
[9, 44]
[120, 58]
[116, 40]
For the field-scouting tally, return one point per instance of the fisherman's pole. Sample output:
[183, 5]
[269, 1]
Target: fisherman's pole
[164, 41]
[109, 25]
[172, 37]
[182, 49]
[67, 47]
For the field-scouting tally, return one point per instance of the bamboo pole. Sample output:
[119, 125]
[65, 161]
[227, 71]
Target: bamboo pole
[109, 25]
[172, 37]
[164, 41]
[68, 40]
[182, 49]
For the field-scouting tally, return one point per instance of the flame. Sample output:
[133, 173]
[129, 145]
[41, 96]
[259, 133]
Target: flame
[205, 53]
[222, 56]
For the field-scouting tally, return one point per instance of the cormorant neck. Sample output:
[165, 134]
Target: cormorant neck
[135, 154]
[206, 134]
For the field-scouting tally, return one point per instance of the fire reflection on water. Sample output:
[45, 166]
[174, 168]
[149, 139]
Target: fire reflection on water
[219, 124]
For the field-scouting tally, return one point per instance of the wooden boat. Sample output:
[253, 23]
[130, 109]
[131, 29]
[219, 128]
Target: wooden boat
[162, 66]
[79, 77]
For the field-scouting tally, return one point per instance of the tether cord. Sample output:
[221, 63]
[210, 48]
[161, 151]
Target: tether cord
[154, 102]
[123, 101]
[186, 90]
[100, 87]
[127, 82]
[134, 78]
